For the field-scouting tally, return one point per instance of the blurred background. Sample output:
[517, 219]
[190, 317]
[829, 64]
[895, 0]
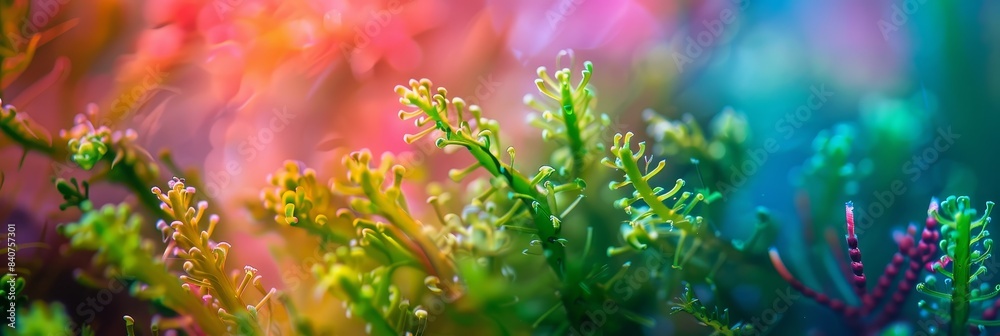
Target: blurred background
[907, 89]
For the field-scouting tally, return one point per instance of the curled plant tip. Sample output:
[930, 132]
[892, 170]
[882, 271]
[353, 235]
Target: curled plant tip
[89, 144]
[857, 267]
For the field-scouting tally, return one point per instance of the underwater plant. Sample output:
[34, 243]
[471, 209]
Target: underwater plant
[948, 228]
[961, 265]
[211, 300]
[500, 247]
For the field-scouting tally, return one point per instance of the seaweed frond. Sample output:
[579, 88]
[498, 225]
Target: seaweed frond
[568, 116]
[370, 295]
[72, 193]
[713, 318]
[460, 126]
[466, 128]
[658, 212]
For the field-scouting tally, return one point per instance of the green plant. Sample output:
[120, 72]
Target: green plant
[965, 252]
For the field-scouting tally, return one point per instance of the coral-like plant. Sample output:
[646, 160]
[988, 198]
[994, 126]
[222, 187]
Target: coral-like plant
[371, 239]
[657, 218]
[114, 233]
[723, 154]
[212, 301]
[883, 304]
[466, 128]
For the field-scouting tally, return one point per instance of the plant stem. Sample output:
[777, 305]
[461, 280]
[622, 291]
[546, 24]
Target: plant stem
[962, 271]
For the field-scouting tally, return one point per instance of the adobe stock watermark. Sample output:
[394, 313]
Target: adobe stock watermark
[766, 320]
[223, 7]
[129, 102]
[91, 306]
[36, 21]
[626, 288]
[713, 30]
[247, 149]
[558, 13]
[900, 16]
[363, 34]
[787, 125]
[914, 168]
[485, 90]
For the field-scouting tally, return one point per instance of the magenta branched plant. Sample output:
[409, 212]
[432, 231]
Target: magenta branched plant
[914, 253]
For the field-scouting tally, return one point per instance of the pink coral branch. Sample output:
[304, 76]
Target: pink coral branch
[920, 255]
[857, 267]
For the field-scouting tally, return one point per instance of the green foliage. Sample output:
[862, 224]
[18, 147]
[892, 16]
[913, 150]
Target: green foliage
[656, 218]
[721, 150]
[205, 261]
[297, 199]
[568, 117]
[966, 252]
[89, 145]
[41, 319]
[113, 232]
[718, 321]
[480, 136]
